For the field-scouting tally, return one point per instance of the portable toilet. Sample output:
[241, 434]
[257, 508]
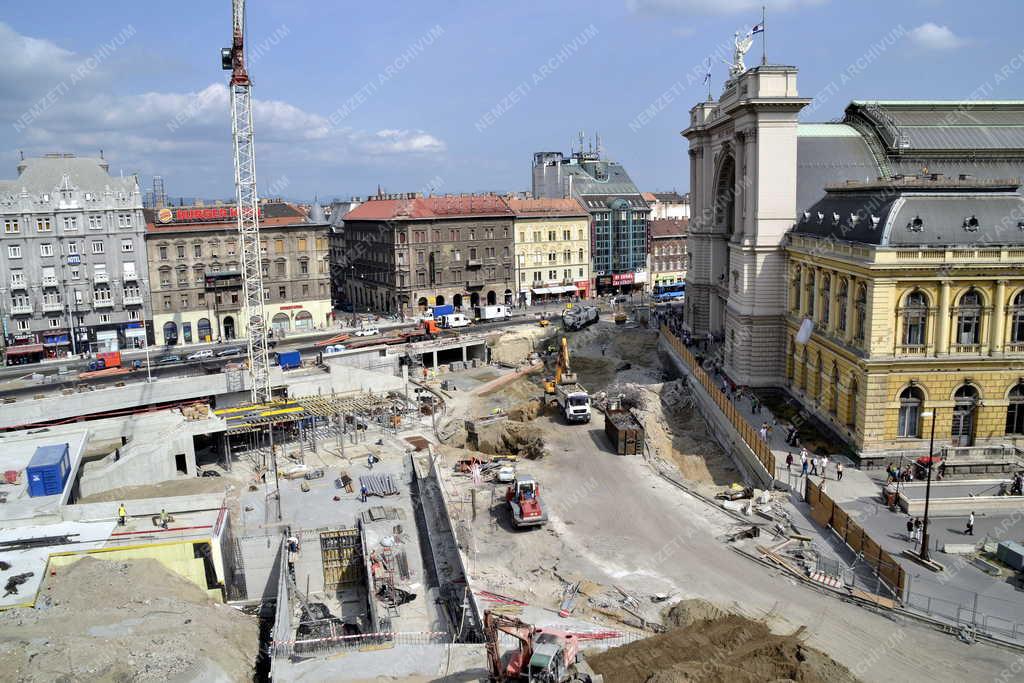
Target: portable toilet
[48, 470]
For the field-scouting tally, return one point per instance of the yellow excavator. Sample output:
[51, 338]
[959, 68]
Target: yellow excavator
[562, 373]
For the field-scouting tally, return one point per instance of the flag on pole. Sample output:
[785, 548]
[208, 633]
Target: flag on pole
[758, 28]
[707, 73]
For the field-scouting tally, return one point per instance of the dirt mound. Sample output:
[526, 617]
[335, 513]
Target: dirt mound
[508, 438]
[687, 612]
[526, 411]
[111, 620]
[728, 648]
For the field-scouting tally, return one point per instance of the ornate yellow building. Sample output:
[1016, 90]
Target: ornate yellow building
[915, 287]
[552, 249]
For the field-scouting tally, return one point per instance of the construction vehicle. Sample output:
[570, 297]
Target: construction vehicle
[523, 497]
[105, 360]
[573, 402]
[496, 312]
[619, 312]
[427, 329]
[578, 317]
[544, 655]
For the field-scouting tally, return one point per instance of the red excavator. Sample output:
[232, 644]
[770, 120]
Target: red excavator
[544, 655]
[523, 498]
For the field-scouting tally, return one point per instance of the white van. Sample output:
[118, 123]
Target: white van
[453, 320]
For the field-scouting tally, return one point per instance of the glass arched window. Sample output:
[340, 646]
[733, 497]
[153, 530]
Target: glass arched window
[833, 403]
[826, 298]
[861, 306]
[1015, 411]
[1017, 319]
[915, 319]
[803, 370]
[909, 423]
[968, 329]
[810, 294]
[795, 303]
[841, 308]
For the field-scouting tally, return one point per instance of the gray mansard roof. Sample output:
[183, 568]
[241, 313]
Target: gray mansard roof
[916, 213]
[45, 175]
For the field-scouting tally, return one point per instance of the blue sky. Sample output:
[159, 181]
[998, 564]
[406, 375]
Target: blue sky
[453, 95]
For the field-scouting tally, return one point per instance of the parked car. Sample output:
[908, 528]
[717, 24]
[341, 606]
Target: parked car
[167, 360]
[230, 351]
[367, 331]
[200, 355]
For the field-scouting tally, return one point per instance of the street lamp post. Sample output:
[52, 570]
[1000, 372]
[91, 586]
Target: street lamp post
[351, 300]
[928, 487]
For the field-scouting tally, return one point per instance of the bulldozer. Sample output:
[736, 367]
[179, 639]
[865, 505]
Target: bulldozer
[544, 655]
[523, 498]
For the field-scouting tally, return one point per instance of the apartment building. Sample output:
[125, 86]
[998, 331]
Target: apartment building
[552, 249]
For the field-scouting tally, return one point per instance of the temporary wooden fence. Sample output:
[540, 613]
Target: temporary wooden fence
[749, 435]
[827, 513]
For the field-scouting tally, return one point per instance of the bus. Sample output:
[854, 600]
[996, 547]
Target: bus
[670, 292]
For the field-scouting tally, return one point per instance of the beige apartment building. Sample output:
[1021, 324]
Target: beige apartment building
[552, 249]
[195, 270]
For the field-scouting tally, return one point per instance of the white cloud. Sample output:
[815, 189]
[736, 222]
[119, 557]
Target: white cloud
[931, 36]
[174, 133]
[714, 6]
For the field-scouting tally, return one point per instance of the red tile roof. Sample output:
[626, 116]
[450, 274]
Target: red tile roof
[424, 208]
[669, 227]
[547, 207]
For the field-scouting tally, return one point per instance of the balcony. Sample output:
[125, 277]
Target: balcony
[103, 303]
[50, 281]
[52, 305]
[19, 284]
[913, 350]
[965, 348]
[132, 299]
[474, 263]
[21, 309]
[1015, 347]
[130, 276]
[101, 276]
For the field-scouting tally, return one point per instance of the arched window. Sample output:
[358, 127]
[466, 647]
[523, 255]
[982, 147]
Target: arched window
[803, 371]
[861, 312]
[280, 323]
[915, 319]
[965, 402]
[819, 380]
[851, 419]
[833, 403]
[909, 423]
[1015, 411]
[844, 294]
[810, 294]
[795, 303]
[1017, 320]
[826, 298]
[968, 330]
[791, 361]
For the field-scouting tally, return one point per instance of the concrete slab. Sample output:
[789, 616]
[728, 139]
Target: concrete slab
[16, 450]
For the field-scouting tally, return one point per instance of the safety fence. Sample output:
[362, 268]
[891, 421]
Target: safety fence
[826, 513]
[746, 431]
[964, 616]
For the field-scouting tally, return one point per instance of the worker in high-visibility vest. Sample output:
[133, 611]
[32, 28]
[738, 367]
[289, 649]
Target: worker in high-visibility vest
[122, 515]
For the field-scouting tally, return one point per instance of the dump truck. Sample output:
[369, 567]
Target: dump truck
[573, 402]
[578, 317]
[624, 430]
[523, 497]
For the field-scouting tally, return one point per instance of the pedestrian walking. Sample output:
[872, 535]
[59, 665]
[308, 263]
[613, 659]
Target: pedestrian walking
[824, 466]
[369, 461]
[803, 461]
[789, 462]
[839, 471]
[122, 515]
[164, 518]
[910, 529]
[970, 524]
[362, 492]
[763, 431]
[917, 529]
[814, 465]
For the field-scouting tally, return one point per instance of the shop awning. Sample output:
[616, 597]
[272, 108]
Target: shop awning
[134, 332]
[555, 290]
[543, 290]
[24, 350]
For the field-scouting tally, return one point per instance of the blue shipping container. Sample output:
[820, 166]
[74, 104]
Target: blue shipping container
[446, 309]
[289, 359]
[48, 470]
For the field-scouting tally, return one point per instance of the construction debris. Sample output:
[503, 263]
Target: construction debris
[379, 484]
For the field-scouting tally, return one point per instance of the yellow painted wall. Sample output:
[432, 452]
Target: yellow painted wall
[526, 246]
[178, 557]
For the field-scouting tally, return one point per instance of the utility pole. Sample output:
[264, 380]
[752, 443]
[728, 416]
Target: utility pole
[928, 488]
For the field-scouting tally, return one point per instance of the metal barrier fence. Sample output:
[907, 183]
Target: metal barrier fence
[746, 431]
[827, 513]
[963, 616]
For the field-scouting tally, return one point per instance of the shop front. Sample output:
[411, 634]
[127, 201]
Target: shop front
[23, 354]
[56, 343]
[553, 293]
[107, 340]
[135, 335]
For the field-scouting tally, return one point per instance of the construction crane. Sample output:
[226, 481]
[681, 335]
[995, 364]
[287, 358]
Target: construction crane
[233, 60]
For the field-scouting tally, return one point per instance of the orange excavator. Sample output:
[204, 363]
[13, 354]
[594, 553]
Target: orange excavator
[544, 655]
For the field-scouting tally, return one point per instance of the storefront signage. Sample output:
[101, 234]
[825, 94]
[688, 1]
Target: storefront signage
[622, 279]
[205, 215]
[74, 260]
[604, 280]
[288, 308]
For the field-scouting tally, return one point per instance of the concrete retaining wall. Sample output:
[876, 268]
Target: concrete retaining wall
[746, 462]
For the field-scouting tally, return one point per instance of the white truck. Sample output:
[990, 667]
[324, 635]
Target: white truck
[453, 320]
[499, 312]
[573, 402]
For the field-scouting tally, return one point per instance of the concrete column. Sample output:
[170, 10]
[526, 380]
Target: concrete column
[463, 353]
[942, 320]
[998, 319]
[435, 360]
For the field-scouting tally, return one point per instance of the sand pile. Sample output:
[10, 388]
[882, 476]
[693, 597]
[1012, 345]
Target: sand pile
[508, 438]
[714, 646]
[109, 620]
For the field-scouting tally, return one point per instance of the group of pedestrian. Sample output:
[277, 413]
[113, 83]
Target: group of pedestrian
[894, 473]
[914, 527]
